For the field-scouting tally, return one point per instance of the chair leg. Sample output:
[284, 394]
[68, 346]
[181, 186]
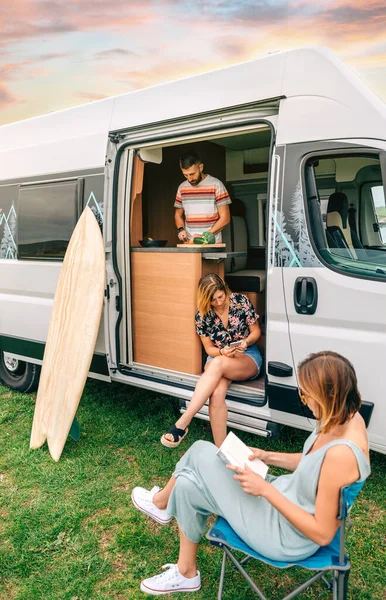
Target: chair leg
[222, 577]
[329, 584]
[244, 574]
[340, 588]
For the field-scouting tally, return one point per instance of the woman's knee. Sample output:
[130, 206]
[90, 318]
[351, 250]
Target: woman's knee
[200, 452]
[202, 447]
[216, 365]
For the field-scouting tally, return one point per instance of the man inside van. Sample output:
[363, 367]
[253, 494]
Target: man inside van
[202, 201]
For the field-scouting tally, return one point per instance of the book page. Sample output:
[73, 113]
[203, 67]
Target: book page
[233, 451]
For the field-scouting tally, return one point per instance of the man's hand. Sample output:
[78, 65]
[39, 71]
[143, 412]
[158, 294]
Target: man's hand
[251, 483]
[182, 236]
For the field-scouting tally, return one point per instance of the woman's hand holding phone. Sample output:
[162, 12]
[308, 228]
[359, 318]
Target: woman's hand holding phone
[228, 351]
[235, 344]
[239, 347]
[234, 349]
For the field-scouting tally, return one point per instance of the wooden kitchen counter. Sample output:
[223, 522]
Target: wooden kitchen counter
[164, 286]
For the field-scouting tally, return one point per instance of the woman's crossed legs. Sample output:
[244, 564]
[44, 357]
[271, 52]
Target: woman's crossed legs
[213, 384]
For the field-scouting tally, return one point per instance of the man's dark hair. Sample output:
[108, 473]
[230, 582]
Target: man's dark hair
[189, 159]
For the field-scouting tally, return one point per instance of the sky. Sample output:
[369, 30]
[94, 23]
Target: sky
[55, 54]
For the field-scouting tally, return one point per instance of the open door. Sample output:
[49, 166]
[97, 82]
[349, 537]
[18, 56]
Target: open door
[335, 284]
[281, 372]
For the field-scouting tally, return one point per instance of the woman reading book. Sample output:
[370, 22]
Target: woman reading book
[228, 328]
[284, 518]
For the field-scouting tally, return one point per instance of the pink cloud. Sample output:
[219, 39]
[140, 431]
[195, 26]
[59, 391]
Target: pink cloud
[90, 96]
[6, 97]
[23, 19]
[164, 40]
[11, 70]
[372, 60]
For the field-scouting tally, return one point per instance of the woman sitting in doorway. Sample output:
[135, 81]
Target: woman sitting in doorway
[285, 518]
[228, 329]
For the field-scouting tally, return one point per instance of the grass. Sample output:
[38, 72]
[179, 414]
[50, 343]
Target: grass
[68, 530]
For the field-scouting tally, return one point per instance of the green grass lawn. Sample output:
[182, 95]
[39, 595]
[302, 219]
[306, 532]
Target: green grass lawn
[68, 530]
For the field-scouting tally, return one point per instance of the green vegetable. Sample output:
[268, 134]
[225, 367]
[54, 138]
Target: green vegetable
[208, 238]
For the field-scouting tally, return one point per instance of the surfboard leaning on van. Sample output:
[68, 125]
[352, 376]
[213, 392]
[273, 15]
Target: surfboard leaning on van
[299, 141]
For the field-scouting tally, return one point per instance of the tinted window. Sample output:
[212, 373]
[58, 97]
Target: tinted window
[347, 212]
[47, 215]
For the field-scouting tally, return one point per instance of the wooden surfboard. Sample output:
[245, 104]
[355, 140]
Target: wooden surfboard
[72, 334]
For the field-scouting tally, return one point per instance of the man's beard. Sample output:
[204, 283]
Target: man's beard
[196, 181]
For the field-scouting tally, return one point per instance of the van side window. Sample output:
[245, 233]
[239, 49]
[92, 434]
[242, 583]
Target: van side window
[347, 212]
[47, 214]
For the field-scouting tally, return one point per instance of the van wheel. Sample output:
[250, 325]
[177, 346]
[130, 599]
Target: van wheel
[17, 374]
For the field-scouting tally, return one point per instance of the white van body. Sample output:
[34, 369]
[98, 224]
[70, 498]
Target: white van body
[326, 133]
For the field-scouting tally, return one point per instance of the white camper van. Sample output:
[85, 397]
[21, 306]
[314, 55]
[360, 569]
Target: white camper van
[301, 145]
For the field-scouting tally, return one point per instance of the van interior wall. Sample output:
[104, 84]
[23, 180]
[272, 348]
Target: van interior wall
[248, 194]
[161, 183]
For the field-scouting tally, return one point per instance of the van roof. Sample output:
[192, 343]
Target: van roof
[321, 99]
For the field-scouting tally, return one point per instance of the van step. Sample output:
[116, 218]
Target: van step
[246, 423]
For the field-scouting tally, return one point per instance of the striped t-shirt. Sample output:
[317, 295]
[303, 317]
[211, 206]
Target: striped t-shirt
[200, 203]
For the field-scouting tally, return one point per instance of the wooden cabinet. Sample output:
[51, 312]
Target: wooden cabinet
[164, 288]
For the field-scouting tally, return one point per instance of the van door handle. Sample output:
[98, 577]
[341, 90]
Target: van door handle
[305, 295]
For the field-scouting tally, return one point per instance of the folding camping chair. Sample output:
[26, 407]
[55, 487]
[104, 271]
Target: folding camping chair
[327, 558]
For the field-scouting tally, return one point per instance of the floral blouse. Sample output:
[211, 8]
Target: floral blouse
[241, 315]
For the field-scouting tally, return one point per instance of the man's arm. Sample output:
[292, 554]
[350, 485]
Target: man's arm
[224, 218]
[180, 224]
[179, 217]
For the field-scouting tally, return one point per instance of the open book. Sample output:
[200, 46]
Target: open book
[234, 452]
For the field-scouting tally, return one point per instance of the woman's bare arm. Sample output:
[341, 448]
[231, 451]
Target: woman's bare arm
[339, 469]
[209, 346]
[254, 334]
[284, 460]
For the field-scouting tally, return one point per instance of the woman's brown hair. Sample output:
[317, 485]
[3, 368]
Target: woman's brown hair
[207, 287]
[330, 380]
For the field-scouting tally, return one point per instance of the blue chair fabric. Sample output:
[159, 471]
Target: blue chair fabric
[327, 558]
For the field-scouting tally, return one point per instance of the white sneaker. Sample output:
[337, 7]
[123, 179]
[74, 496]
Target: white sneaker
[143, 500]
[170, 581]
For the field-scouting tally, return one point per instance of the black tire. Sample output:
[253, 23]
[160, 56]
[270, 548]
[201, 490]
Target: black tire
[18, 375]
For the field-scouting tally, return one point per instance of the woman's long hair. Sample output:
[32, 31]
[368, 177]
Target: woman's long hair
[330, 380]
[207, 287]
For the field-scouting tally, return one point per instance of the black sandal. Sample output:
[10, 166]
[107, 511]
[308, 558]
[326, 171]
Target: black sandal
[178, 436]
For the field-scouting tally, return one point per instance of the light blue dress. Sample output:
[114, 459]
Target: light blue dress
[205, 486]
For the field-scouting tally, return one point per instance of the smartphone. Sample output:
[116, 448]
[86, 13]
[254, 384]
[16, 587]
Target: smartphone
[235, 344]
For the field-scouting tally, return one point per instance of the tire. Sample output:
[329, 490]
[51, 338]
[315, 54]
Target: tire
[17, 374]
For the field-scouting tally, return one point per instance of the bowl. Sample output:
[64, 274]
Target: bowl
[153, 243]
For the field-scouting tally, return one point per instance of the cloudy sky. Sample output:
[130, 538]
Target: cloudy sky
[60, 53]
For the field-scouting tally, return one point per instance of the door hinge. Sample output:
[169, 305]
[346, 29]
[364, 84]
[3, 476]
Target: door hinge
[115, 138]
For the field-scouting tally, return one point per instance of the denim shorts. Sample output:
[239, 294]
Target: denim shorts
[254, 354]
